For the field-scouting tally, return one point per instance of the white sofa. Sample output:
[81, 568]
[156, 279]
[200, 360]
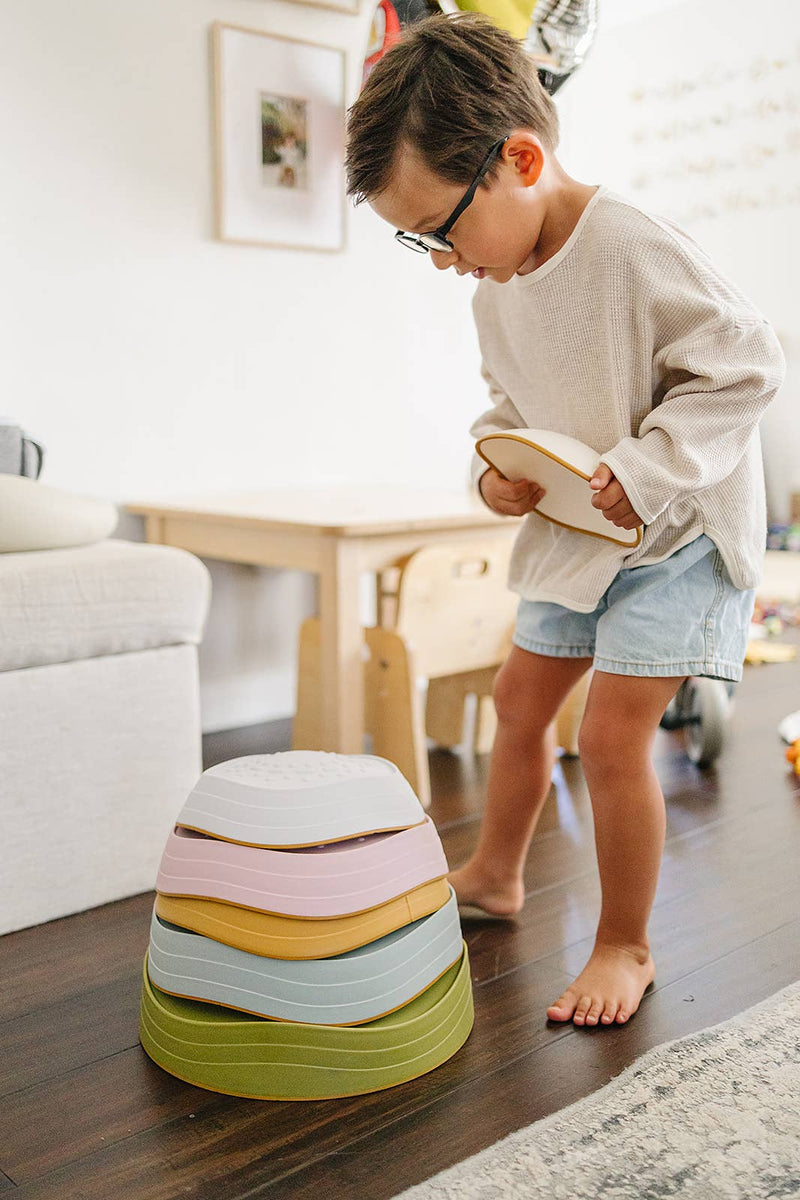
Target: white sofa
[99, 720]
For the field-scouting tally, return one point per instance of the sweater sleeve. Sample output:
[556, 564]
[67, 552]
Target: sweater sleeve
[716, 366]
[502, 415]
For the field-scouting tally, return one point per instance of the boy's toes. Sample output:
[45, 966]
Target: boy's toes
[593, 1015]
[609, 1012]
[563, 1008]
[584, 1004]
[622, 1016]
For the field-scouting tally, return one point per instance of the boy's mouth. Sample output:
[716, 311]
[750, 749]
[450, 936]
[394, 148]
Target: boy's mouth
[479, 272]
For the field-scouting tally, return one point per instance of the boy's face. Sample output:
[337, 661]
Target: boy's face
[495, 236]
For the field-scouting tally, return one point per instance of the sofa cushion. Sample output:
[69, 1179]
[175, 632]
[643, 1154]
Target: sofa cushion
[38, 517]
[109, 598]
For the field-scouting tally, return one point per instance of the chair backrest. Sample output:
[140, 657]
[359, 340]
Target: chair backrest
[454, 608]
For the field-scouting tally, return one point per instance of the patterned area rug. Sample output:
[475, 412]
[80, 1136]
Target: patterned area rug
[713, 1116]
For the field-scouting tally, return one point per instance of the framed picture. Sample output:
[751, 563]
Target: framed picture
[280, 107]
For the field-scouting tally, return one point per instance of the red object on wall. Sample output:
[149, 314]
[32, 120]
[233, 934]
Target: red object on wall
[384, 32]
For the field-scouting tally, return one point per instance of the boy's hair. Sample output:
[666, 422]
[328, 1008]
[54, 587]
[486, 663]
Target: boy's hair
[450, 88]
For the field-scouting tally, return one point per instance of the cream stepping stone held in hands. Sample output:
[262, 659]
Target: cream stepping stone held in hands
[563, 466]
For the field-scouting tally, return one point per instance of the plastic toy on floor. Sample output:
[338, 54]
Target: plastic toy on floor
[789, 727]
[305, 943]
[789, 732]
[793, 756]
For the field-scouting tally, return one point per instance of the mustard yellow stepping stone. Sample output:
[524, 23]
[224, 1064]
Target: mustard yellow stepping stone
[299, 937]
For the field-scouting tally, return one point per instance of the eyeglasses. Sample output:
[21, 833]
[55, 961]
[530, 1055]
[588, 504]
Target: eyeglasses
[437, 239]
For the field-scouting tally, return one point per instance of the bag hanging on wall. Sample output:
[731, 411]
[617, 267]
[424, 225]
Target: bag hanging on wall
[19, 453]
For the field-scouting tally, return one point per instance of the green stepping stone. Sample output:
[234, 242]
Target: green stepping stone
[226, 1051]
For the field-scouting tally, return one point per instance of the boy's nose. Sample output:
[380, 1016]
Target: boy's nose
[442, 259]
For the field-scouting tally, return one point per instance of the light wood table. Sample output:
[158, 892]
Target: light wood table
[338, 533]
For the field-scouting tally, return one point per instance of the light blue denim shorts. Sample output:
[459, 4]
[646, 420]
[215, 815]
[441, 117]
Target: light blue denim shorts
[682, 616]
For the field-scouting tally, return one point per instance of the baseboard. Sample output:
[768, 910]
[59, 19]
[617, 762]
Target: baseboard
[268, 737]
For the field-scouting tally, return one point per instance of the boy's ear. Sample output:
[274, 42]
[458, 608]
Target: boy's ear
[523, 151]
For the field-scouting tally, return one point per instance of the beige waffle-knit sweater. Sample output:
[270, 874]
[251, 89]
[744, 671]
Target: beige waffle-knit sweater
[630, 340]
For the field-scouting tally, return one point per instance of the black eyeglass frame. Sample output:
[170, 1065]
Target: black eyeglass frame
[437, 238]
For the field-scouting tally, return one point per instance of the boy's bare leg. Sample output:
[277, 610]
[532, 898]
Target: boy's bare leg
[528, 692]
[616, 738]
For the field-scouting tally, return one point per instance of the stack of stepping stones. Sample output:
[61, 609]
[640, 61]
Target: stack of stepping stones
[305, 943]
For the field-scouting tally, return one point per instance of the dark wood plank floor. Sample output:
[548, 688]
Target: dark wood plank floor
[84, 1114]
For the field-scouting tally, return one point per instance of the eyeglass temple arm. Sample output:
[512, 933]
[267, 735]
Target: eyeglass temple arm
[472, 189]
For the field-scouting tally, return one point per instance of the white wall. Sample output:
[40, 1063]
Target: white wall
[718, 150]
[152, 359]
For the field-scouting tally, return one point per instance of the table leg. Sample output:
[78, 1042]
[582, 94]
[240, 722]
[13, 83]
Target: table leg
[154, 529]
[342, 665]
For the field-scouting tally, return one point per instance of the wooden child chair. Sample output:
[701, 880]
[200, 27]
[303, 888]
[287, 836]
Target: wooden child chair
[446, 615]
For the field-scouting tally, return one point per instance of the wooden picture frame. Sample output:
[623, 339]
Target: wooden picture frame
[279, 140]
[350, 7]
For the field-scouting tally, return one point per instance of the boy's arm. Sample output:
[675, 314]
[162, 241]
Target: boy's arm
[502, 415]
[720, 374]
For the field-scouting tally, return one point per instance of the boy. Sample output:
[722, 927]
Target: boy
[602, 322]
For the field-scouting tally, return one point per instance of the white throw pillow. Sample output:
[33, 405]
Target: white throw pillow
[36, 517]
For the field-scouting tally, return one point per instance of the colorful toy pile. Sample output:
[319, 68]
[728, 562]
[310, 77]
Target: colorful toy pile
[784, 537]
[305, 943]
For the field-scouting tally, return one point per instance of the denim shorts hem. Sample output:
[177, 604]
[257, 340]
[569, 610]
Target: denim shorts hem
[682, 616]
[620, 666]
[715, 670]
[552, 651]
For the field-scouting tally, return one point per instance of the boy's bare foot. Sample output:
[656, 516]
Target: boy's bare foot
[608, 989]
[499, 898]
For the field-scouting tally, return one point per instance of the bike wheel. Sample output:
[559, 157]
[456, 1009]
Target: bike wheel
[708, 706]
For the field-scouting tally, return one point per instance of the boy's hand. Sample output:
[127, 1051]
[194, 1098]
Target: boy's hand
[610, 498]
[511, 499]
